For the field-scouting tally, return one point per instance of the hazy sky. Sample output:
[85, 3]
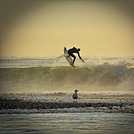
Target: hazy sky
[37, 28]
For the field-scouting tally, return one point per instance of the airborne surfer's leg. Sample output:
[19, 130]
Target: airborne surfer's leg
[74, 58]
[71, 54]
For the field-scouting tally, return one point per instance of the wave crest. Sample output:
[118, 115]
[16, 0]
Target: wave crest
[115, 76]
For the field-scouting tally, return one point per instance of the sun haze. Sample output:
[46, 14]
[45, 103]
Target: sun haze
[44, 28]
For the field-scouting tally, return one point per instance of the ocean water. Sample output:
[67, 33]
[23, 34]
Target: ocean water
[54, 79]
[96, 74]
[65, 123]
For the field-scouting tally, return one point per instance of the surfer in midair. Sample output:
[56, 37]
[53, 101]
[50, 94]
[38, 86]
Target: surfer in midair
[74, 50]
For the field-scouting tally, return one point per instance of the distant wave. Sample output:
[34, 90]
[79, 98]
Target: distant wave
[35, 78]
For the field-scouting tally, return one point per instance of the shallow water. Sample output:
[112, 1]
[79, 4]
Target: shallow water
[64, 123]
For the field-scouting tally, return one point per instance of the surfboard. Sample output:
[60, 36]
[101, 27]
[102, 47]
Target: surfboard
[68, 58]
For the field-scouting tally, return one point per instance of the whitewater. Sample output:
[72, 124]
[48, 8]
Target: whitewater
[52, 75]
[36, 95]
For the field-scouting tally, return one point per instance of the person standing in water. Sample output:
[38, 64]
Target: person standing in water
[74, 50]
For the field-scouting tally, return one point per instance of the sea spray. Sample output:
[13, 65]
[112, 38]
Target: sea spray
[116, 77]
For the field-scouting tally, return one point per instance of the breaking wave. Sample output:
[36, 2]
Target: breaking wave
[98, 77]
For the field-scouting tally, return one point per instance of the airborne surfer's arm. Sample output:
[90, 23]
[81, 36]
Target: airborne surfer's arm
[80, 57]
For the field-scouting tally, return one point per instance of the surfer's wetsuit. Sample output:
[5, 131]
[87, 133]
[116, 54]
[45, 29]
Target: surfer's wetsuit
[74, 50]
